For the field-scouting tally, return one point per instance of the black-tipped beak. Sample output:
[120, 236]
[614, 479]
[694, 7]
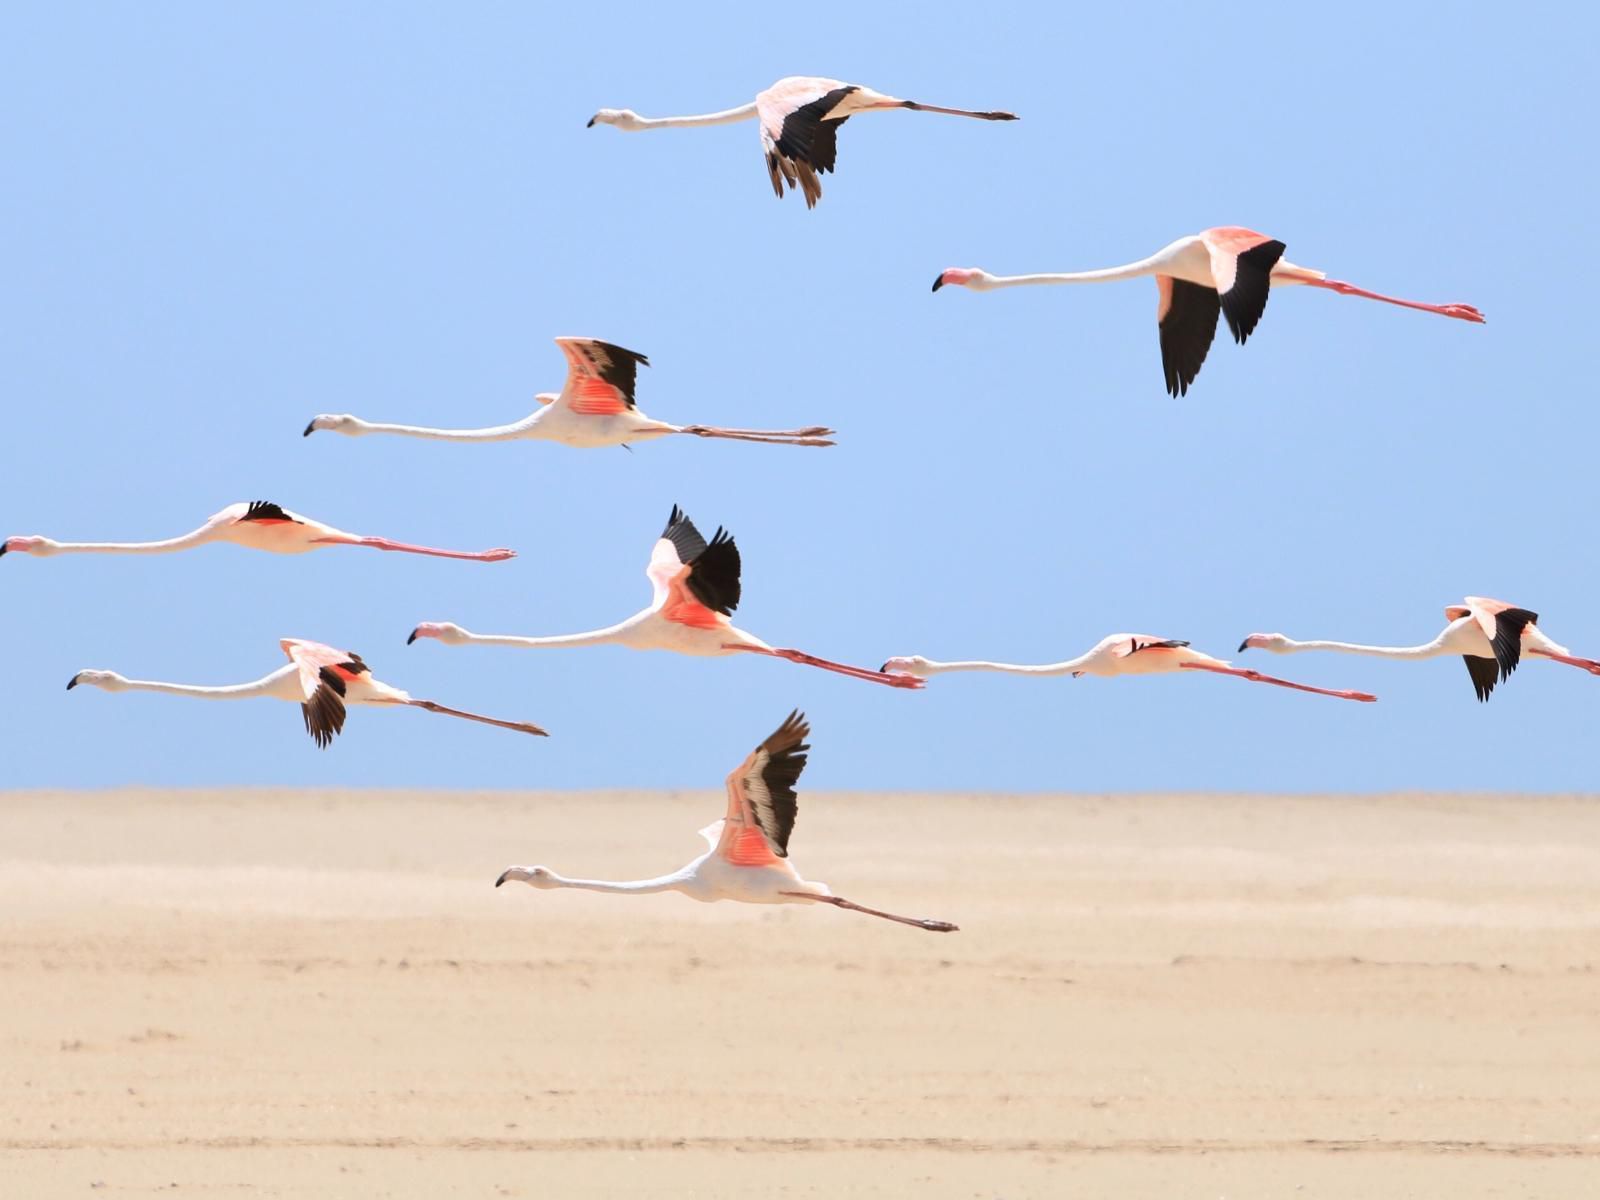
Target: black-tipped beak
[310, 428]
[412, 638]
[938, 281]
[72, 683]
[506, 872]
[2, 549]
[883, 670]
[590, 125]
[1244, 645]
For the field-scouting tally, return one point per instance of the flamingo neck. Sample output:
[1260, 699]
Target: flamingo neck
[612, 633]
[664, 883]
[1145, 266]
[270, 685]
[1061, 668]
[492, 433]
[727, 116]
[199, 537]
[1431, 649]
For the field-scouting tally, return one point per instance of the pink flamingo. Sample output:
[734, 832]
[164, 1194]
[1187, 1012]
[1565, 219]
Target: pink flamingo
[696, 587]
[1119, 654]
[800, 118]
[749, 856]
[1490, 635]
[260, 525]
[320, 679]
[1226, 269]
[594, 408]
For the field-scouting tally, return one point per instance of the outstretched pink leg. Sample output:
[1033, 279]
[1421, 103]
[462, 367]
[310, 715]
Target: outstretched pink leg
[917, 922]
[811, 660]
[1462, 312]
[434, 707]
[815, 435]
[499, 554]
[1585, 664]
[1258, 677]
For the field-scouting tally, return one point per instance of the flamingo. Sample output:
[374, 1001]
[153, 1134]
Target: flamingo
[260, 525]
[1490, 635]
[748, 859]
[696, 587]
[1226, 269]
[1119, 654]
[800, 118]
[594, 408]
[320, 679]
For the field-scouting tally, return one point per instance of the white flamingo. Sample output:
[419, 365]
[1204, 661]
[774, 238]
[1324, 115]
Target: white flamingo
[800, 118]
[595, 407]
[748, 859]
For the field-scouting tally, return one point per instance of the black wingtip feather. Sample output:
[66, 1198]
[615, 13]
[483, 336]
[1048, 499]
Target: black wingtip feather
[1246, 300]
[786, 750]
[264, 510]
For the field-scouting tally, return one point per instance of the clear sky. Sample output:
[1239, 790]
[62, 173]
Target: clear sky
[221, 220]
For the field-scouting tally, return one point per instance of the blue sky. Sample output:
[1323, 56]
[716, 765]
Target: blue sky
[220, 221]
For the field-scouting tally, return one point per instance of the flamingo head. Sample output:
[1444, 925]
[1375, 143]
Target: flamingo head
[913, 664]
[539, 877]
[108, 680]
[1275, 642]
[971, 277]
[622, 118]
[450, 635]
[30, 545]
[338, 422]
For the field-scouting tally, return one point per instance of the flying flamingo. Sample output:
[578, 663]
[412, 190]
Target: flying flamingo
[800, 119]
[696, 586]
[261, 525]
[1227, 269]
[320, 679]
[1119, 654]
[594, 408]
[1490, 635]
[748, 859]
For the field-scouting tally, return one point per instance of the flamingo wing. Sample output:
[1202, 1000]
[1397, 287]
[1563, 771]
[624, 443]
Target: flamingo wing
[1139, 642]
[600, 376]
[1485, 674]
[1502, 624]
[800, 139]
[324, 673]
[265, 512]
[1187, 317]
[694, 580]
[1241, 267]
[761, 798]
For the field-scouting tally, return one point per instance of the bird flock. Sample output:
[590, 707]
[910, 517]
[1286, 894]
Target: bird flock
[696, 584]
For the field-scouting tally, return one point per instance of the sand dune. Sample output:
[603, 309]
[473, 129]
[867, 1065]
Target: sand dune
[307, 994]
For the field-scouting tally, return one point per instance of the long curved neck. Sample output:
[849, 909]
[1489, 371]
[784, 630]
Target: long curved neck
[727, 116]
[1428, 650]
[198, 537]
[595, 637]
[1061, 668]
[663, 883]
[1145, 266]
[270, 685]
[492, 433]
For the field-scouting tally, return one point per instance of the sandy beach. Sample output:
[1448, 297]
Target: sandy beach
[259, 993]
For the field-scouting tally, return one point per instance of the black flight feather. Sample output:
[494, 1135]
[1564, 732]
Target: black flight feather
[265, 510]
[1246, 300]
[807, 145]
[1186, 333]
[714, 581]
[1485, 674]
[1507, 640]
[324, 713]
[771, 794]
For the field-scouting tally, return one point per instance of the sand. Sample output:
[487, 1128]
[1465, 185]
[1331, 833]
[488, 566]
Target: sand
[257, 993]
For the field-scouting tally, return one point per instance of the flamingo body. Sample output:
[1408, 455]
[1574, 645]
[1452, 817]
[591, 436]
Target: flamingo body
[1118, 654]
[257, 525]
[696, 586]
[1227, 271]
[747, 859]
[1491, 636]
[324, 681]
[799, 120]
[595, 408]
